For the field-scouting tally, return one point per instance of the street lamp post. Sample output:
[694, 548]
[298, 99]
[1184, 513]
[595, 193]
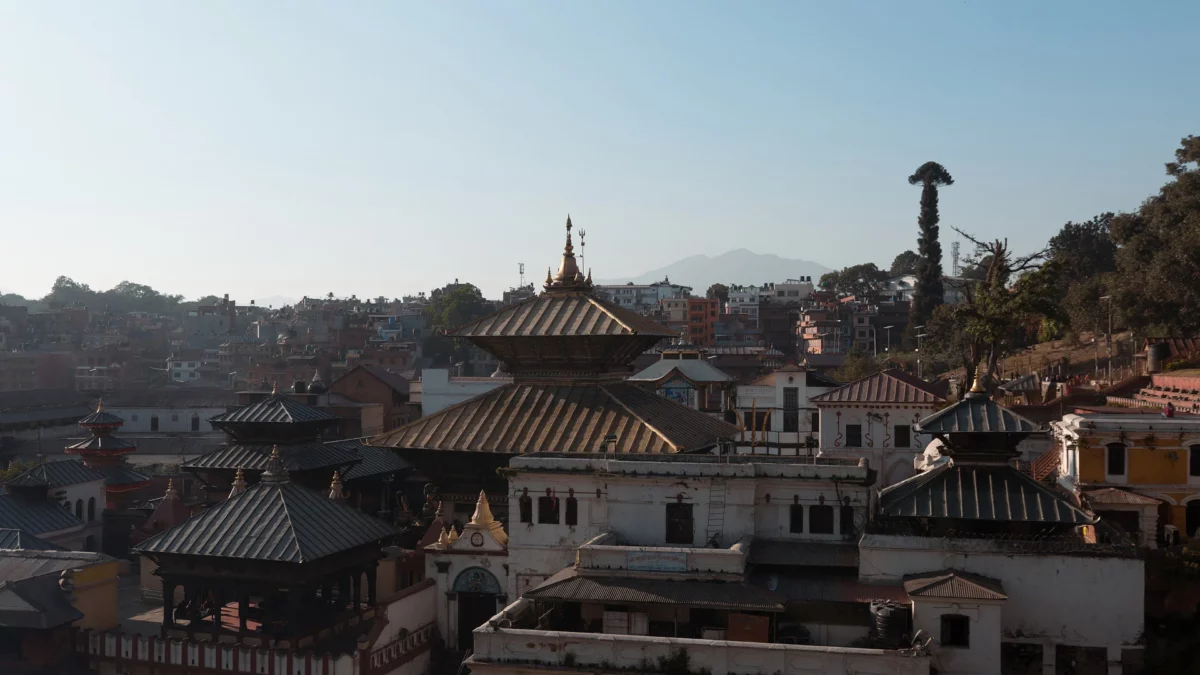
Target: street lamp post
[919, 336]
[1108, 336]
[888, 346]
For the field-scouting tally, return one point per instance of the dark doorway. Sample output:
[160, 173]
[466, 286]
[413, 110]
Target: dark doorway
[1193, 517]
[1130, 522]
[473, 610]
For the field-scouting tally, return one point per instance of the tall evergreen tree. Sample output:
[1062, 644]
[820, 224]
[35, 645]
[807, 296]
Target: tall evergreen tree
[928, 292]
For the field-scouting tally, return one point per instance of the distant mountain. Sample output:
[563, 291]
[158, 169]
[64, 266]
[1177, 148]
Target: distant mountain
[734, 267]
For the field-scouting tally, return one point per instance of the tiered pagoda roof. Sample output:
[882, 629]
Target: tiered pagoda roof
[104, 453]
[568, 352]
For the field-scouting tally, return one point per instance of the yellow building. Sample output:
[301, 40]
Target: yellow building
[1139, 470]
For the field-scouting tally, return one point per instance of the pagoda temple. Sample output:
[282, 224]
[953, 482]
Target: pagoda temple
[569, 353]
[295, 428]
[275, 561]
[105, 453]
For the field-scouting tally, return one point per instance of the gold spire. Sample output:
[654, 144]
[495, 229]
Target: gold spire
[978, 387]
[171, 492]
[335, 488]
[453, 536]
[569, 276]
[275, 388]
[275, 472]
[483, 511]
[443, 538]
[100, 405]
[239, 483]
[439, 513]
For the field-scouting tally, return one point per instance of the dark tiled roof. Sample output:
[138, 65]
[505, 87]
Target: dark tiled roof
[954, 584]
[43, 414]
[21, 565]
[396, 381]
[556, 314]
[12, 539]
[889, 386]
[102, 444]
[1119, 496]
[35, 516]
[101, 418]
[57, 474]
[700, 372]
[274, 409]
[975, 415]
[1029, 382]
[118, 475]
[522, 418]
[36, 603]
[28, 399]
[979, 492]
[803, 553]
[281, 522]
[375, 461]
[297, 457]
[570, 586]
[800, 586]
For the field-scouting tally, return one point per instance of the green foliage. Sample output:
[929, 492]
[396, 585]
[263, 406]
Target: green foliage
[858, 280]
[718, 291]
[1049, 330]
[449, 307]
[16, 468]
[126, 296]
[929, 291]
[905, 263]
[1158, 251]
[858, 364]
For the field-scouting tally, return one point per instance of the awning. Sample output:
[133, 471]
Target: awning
[570, 586]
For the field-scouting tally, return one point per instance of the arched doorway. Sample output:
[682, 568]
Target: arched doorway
[476, 590]
[1193, 518]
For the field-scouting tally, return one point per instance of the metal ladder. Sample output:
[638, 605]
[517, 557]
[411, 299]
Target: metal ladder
[716, 513]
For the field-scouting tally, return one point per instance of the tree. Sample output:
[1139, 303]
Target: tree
[979, 331]
[858, 364]
[829, 281]
[1158, 251]
[449, 307]
[905, 263]
[1086, 249]
[861, 281]
[718, 291]
[16, 468]
[928, 292]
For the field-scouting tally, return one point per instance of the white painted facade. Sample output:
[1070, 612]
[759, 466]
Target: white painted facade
[631, 498]
[982, 655]
[166, 420]
[789, 291]
[768, 395]
[744, 300]
[874, 428]
[642, 297]
[501, 650]
[86, 502]
[438, 390]
[1054, 598]
[183, 369]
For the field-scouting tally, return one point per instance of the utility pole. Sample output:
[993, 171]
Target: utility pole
[919, 336]
[1108, 337]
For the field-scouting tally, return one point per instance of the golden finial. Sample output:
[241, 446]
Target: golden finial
[443, 538]
[569, 248]
[171, 493]
[335, 488]
[239, 483]
[549, 279]
[275, 388]
[978, 387]
[453, 536]
[589, 276]
[100, 405]
[483, 511]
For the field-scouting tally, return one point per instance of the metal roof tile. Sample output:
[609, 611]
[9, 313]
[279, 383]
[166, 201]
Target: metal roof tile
[57, 474]
[620, 590]
[35, 516]
[888, 386]
[296, 457]
[274, 409]
[954, 584]
[559, 314]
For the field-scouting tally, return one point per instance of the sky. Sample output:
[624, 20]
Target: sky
[281, 149]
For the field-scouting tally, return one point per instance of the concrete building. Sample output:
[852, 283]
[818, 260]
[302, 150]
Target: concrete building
[78, 489]
[876, 418]
[1141, 471]
[642, 297]
[685, 377]
[438, 389]
[744, 300]
[792, 291]
[776, 411]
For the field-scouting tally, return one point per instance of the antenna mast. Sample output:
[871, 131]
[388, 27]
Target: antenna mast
[954, 259]
[521, 268]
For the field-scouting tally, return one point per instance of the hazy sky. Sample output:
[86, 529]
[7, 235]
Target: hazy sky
[290, 148]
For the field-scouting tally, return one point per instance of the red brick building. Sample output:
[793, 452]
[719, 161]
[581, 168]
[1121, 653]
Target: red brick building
[372, 384]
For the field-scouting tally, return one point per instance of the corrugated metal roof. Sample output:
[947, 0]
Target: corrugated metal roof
[102, 444]
[522, 418]
[20, 565]
[296, 457]
[13, 539]
[182, 397]
[1119, 496]
[954, 584]
[561, 314]
[36, 516]
[798, 586]
[803, 553]
[396, 381]
[621, 590]
[57, 474]
[280, 522]
[375, 461]
[36, 603]
[979, 492]
[1030, 382]
[700, 372]
[101, 418]
[975, 415]
[889, 386]
[43, 414]
[118, 475]
[274, 409]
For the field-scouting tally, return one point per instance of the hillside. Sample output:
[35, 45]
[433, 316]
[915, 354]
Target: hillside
[739, 266]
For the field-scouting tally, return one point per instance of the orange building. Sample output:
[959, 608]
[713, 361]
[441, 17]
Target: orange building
[702, 320]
